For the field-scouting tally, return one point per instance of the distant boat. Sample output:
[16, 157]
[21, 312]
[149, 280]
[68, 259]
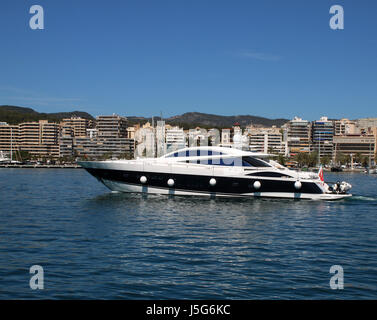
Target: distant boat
[3, 157]
[336, 169]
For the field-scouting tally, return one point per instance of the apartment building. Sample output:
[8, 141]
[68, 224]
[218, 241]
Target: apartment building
[160, 138]
[75, 126]
[198, 137]
[96, 148]
[366, 125]
[38, 133]
[267, 140]
[345, 127]
[226, 138]
[110, 138]
[145, 140]
[49, 133]
[297, 134]
[73, 137]
[66, 146]
[131, 132]
[112, 126]
[40, 138]
[322, 137]
[355, 144]
[175, 139]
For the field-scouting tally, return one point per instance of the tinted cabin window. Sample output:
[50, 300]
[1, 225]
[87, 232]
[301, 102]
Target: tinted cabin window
[269, 174]
[254, 162]
[244, 162]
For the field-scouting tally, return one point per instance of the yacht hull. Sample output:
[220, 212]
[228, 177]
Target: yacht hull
[131, 188]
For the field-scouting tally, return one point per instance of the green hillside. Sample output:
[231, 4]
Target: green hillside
[15, 115]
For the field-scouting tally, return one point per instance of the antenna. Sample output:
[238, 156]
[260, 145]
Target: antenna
[319, 149]
[11, 144]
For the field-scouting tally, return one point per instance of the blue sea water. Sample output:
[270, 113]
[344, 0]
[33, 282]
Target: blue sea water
[96, 244]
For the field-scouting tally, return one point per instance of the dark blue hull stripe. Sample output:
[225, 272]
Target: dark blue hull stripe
[197, 183]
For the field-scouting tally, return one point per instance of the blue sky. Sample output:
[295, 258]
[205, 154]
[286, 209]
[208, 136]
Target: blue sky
[265, 58]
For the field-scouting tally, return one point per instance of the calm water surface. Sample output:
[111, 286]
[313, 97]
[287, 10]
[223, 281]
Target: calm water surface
[96, 244]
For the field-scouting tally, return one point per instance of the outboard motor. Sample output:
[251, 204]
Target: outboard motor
[344, 187]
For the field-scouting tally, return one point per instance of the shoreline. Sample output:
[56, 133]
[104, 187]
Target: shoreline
[41, 166]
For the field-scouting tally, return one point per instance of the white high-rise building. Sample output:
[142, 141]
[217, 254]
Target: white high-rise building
[175, 139]
[266, 140]
[145, 140]
[226, 139]
[160, 138]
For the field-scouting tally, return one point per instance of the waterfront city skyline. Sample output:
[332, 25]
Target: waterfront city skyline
[267, 59]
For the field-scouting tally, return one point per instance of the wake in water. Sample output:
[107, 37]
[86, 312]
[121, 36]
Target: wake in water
[361, 198]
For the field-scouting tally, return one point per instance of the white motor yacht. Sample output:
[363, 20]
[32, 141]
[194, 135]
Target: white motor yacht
[214, 171]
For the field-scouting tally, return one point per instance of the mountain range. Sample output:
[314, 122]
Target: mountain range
[15, 115]
[205, 120]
